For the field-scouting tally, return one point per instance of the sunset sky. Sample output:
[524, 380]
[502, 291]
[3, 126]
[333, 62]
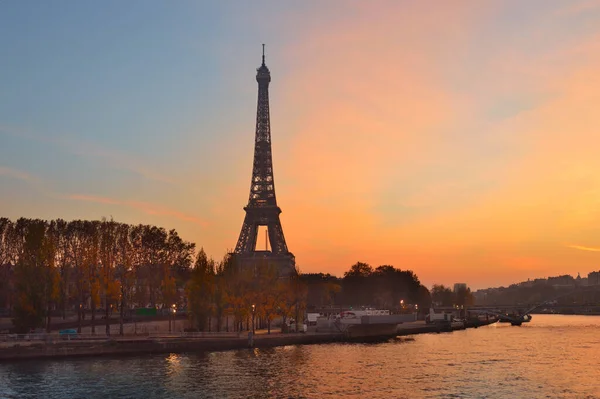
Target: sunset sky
[458, 139]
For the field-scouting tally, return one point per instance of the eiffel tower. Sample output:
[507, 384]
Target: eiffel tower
[262, 209]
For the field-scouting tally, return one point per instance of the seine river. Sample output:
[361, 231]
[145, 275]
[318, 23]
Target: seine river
[551, 357]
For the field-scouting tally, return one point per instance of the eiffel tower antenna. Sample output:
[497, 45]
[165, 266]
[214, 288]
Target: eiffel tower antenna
[262, 209]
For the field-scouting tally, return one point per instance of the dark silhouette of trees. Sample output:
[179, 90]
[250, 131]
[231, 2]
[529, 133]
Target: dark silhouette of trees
[200, 291]
[362, 286]
[35, 277]
[106, 267]
[85, 266]
[442, 296]
[463, 296]
[322, 289]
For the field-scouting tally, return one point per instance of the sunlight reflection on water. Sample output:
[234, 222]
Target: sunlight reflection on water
[553, 356]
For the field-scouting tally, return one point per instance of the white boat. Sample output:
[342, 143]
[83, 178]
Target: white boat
[457, 324]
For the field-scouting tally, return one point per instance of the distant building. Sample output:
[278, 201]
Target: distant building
[527, 283]
[460, 286]
[594, 278]
[562, 281]
[480, 296]
[581, 282]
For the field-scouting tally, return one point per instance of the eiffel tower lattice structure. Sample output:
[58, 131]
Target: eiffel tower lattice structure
[262, 209]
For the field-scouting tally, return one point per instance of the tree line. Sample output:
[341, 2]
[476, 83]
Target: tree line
[444, 296]
[88, 266]
[383, 287]
[103, 266]
[100, 267]
[255, 295]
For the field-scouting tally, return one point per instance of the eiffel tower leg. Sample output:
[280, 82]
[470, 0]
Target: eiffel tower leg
[276, 238]
[247, 241]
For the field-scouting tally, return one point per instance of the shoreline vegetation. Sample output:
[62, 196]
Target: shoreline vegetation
[100, 269]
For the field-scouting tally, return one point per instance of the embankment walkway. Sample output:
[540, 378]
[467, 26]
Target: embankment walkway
[35, 346]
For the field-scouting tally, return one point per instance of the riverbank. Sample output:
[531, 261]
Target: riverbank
[53, 346]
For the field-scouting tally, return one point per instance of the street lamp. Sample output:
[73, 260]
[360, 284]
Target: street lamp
[172, 312]
[253, 311]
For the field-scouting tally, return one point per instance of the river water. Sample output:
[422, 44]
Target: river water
[551, 357]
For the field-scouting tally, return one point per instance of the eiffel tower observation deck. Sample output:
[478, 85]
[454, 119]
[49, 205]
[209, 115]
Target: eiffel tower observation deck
[262, 209]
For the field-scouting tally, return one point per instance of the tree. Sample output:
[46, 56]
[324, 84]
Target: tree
[322, 289]
[463, 296]
[269, 293]
[239, 294]
[50, 246]
[110, 286]
[223, 270]
[293, 302]
[384, 287]
[442, 296]
[154, 243]
[138, 258]
[200, 290]
[91, 266]
[63, 262]
[423, 298]
[177, 261]
[34, 276]
[355, 290]
[359, 269]
[123, 271]
[78, 239]
[6, 263]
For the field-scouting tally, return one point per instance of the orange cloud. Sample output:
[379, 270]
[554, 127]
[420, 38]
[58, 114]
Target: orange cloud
[581, 247]
[15, 173]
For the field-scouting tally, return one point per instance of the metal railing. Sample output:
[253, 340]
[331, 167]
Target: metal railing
[50, 337]
[56, 337]
[200, 334]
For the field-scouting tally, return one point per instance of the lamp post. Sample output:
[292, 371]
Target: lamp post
[253, 311]
[172, 312]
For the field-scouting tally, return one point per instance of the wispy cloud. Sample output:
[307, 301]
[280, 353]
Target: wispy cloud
[88, 149]
[92, 198]
[583, 248]
[145, 207]
[16, 174]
